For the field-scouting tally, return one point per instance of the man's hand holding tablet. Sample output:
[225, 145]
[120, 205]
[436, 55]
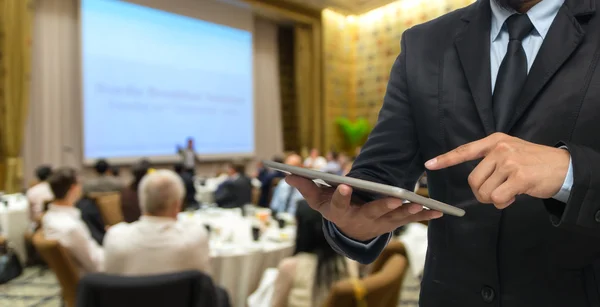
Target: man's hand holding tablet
[361, 222]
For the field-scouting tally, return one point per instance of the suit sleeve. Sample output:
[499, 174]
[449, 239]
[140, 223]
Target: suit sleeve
[581, 213]
[390, 156]
[224, 193]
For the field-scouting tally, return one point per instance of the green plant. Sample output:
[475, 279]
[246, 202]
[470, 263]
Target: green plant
[354, 132]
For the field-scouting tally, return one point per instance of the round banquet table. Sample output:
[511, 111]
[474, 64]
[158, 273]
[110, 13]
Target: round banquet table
[237, 261]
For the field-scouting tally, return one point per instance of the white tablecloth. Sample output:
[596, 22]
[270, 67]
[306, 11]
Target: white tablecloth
[14, 222]
[237, 262]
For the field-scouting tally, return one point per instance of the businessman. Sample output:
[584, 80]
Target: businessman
[499, 103]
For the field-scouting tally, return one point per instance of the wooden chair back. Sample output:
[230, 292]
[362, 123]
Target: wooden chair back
[61, 263]
[109, 205]
[381, 289]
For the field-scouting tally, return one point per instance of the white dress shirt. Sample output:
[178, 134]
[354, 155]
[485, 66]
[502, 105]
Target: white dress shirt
[317, 163]
[189, 158]
[64, 224]
[156, 245]
[37, 196]
[285, 195]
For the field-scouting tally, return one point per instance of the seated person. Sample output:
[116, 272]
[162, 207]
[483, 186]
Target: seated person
[333, 165]
[266, 177]
[188, 183]
[62, 222]
[91, 216]
[236, 191]
[130, 204]
[40, 193]
[304, 279]
[157, 243]
[103, 182]
[315, 161]
[346, 167]
[285, 197]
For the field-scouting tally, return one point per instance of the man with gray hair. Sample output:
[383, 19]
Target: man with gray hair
[157, 243]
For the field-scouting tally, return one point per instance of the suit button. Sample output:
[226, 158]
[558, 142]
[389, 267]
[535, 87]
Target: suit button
[597, 216]
[555, 220]
[487, 294]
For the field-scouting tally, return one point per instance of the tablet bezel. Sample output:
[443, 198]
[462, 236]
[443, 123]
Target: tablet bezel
[364, 185]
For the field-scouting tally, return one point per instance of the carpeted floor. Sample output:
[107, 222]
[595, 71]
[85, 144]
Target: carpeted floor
[36, 287]
[409, 294]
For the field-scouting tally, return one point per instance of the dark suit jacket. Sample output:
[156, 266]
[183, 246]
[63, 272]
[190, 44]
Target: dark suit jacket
[266, 179]
[234, 193]
[90, 214]
[190, 188]
[536, 252]
[130, 204]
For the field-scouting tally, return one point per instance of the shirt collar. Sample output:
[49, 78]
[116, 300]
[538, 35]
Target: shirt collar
[72, 211]
[541, 16]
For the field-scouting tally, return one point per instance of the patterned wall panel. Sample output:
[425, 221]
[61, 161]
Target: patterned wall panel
[378, 45]
[359, 53]
[339, 44]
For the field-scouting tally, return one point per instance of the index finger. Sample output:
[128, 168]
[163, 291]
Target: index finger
[468, 152]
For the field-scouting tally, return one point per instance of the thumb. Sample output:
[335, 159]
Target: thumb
[341, 197]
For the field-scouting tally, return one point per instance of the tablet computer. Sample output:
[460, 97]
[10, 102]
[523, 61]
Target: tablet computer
[332, 180]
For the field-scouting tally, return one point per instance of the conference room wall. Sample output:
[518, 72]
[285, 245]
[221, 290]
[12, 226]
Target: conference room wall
[53, 133]
[359, 52]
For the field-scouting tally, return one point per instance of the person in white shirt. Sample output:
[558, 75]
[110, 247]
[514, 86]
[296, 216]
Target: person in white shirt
[62, 222]
[157, 243]
[40, 193]
[189, 156]
[315, 161]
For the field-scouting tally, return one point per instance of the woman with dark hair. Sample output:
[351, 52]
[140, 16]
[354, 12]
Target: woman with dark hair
[130, 204]
[304, 279]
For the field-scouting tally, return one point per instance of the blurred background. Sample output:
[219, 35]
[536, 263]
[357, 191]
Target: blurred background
[204, 87]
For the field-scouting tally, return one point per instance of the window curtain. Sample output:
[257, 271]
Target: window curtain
[54, 125]
[267, 105]
[15, 67]
[308, 68]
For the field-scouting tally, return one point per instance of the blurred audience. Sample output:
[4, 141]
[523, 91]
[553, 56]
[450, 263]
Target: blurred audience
[315, 161]
[236, 191]
[91, 216]
[333, 165]
[103, 182]
[62, 222]
[346, 167]
[266, 177]
[40, 193]
[157, 243]
[115, 171]
[343, 159]
[304, 279]
[190, 189]
[285, 197]
[130, 204]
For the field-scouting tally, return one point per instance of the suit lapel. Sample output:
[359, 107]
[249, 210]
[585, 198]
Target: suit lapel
[473, 47]
[563, 38]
